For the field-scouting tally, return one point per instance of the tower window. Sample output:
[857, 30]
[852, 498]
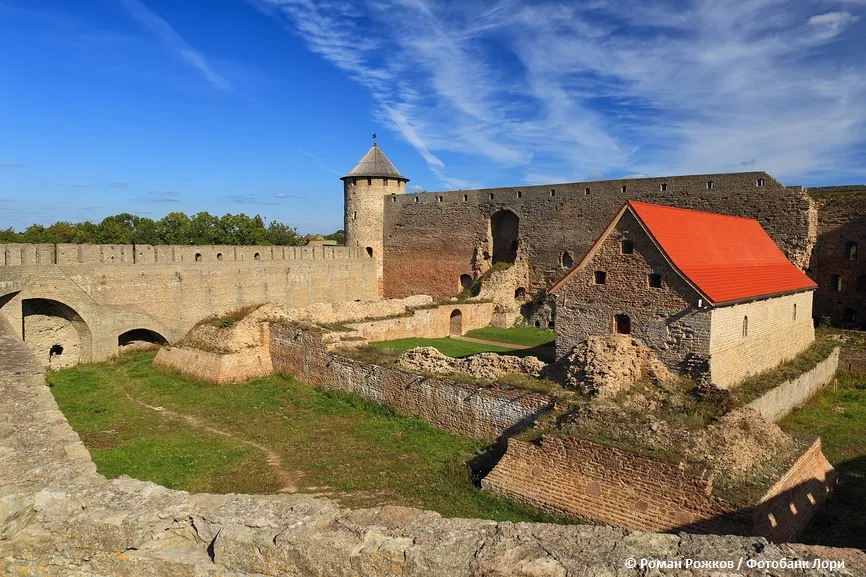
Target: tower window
[850, 251]
[795, 311]
[257, 256]
[627, 247]
[663, 186]
[624, 188]
[519, 194]
[465, 197]
[566, 260]
[709, 184]
[759, 182]
[416, 200]
[385, 181]
[835, 283]
[393, 198]
[219, 256]
[745, 326]
[198, 257]
[552, 192]
[354, 215]
[586, 192]
[369, 251]
[655, 280]
[622, 324]
[600, 277]
[491, 196]
[441, 199]
[860, 285]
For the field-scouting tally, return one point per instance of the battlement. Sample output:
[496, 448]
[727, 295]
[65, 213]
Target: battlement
[128, 254]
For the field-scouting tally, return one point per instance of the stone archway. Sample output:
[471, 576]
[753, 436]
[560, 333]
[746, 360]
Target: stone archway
[55, 332]
[137, 337]
[504, 229]
[456, 322]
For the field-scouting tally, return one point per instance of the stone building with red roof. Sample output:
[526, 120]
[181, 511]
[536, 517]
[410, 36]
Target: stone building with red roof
[711, 294]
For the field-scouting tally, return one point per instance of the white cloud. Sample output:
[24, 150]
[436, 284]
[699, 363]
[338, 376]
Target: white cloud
[569, 89]
[175, 42]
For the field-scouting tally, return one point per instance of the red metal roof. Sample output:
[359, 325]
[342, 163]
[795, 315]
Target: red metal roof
[727, 258]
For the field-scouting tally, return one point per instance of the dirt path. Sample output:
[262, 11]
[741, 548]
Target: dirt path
[290, 479]
[498, 344]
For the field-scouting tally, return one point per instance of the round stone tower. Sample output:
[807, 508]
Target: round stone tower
[366, 187]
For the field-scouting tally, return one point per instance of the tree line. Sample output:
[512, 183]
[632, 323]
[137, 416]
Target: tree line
[174, 228]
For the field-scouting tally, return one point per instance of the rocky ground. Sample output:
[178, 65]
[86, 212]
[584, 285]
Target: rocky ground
[488, 366]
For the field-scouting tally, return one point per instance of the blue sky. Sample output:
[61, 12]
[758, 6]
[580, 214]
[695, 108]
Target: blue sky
[258, 106]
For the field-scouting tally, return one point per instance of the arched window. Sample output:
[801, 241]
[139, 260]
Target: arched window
[456, 322]
[861, 283]
[219, 256]
[198, 257]
[850, 251]
[566, 260]
[257, 256]
[622, 324]
[745, 326]
[835, 283]
[465, 281]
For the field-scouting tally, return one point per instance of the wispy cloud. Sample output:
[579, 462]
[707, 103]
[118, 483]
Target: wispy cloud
[322, 165]
[80, 185]
[249, 199]
[160, 196]
[559, 88]
[11, 165]
[117, 185]
[175, 42]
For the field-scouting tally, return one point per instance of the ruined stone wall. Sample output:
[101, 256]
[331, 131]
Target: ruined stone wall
[218, 368]
[779, 401]
[665, 319]
[483, 413]
[427, 323]
[430, 238]
[778, 329]
[852, 360]
[577, 478]
[58, 516]
[841, 220]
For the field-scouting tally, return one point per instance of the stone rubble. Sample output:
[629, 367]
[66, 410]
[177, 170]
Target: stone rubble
[487, 366]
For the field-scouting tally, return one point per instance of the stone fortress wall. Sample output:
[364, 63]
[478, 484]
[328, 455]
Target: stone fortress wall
[93, 295]
[431, 239]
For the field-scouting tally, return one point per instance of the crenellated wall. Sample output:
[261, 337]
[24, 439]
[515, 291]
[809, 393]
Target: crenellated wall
[104, 291]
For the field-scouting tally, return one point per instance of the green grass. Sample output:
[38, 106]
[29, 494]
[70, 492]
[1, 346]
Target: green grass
[446, 346]
[517, 335]
[337, 445]
[838, 415]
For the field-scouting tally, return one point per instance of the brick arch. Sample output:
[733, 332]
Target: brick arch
[52, 328]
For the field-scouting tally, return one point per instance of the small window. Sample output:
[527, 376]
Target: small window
[55, 351]
[624, 188]
[519, 194]
[566, 260]
[627, 247]
[600, 277]
[219, 256]
[745, 326]
[835, 283]
[416, 200]
[385, 181]
[622, 324]
[655, 280]
[441, 198]
[551, 324]
[257, 256]
[520, 293]
[795, 312]
[491, 196]
[393, 198]
[198, 257]
[759, 182]
[465, 281]
[353, 181]
[369, 251]
[552, 192]
[354, 215]
[370, 181]
[663, 186]
[709, 184]
[861, 284]
[465, 197]
[850, 251]
[586, 192]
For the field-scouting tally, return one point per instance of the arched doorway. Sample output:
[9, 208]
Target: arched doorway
[456, 322]
[55, 333]
[504, 228]
[140, 337]
[465, 282]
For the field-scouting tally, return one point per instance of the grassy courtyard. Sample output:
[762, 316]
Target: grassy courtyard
[266, 436]
[838, 415]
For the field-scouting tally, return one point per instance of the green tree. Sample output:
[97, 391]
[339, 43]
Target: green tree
[174, 228]
[339, 236]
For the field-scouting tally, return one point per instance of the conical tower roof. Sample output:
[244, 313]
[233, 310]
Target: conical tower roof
[375, 164]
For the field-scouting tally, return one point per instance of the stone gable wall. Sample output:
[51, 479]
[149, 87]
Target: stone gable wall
[430, 238]
[665, 319]
[774, 336]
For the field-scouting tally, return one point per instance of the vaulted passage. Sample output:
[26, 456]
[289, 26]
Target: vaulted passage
[55, 332]
[504, 227]
[140, 336]
[456, 322]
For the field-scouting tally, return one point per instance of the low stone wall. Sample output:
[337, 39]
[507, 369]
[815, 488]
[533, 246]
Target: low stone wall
[580, 479]
[482, 413]
[59, 517]
[852, 360]
[786, 509]
[426, 323]
[778, 402]
[219, 368]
